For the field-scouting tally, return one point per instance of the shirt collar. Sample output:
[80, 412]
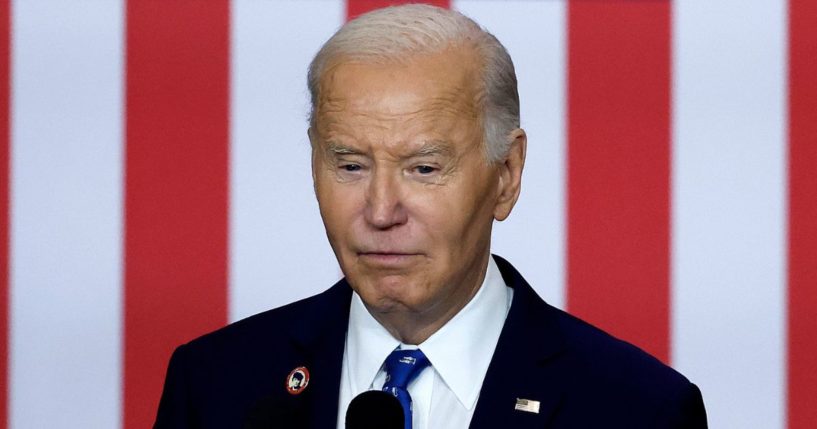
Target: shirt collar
[367, 345]
[460, 351]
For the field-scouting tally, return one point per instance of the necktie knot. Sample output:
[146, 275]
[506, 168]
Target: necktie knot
[403, 366]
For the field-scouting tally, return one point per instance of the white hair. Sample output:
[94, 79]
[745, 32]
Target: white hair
[392, 34]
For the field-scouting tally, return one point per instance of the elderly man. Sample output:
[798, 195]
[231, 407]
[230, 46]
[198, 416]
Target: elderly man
[416, 150]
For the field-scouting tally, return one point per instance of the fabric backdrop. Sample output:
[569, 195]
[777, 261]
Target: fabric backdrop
[156, 185]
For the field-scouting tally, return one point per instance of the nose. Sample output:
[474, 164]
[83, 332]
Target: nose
[384, 205]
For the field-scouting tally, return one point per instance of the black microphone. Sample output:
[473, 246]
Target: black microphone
[375, 409]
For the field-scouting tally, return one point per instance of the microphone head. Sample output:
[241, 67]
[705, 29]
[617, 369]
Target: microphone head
[375, 409]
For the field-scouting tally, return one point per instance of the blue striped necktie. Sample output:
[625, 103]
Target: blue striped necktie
[403, 366]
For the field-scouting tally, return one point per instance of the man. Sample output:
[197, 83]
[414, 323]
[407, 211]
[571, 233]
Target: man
[416, 150]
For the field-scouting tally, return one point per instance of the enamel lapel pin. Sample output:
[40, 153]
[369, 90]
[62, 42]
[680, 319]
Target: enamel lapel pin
[297, 380]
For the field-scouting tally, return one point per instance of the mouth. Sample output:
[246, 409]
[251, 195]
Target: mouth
[387, 259]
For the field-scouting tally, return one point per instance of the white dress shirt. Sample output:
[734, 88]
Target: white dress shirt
[445, 394]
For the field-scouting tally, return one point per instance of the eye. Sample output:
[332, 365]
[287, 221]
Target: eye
[350, 167]
[425, 169]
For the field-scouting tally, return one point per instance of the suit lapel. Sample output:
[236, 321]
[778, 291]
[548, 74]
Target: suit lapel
[522, 367]
[321, 338]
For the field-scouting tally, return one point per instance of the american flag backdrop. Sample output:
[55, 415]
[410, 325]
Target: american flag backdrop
[155, 185]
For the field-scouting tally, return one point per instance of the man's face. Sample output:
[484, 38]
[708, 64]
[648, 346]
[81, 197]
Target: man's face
[404, 188]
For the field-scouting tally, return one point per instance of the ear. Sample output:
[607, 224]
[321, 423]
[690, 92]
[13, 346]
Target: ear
[510, 174]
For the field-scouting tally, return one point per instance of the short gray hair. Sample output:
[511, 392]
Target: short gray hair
[391, 34]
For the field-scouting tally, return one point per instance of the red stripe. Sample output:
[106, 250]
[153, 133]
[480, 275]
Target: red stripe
[358, 7]
[802, 280]
[5, 83]
[176, 199]
[619, 169]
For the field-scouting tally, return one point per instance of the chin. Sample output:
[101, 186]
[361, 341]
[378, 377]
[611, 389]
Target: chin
[388, 294]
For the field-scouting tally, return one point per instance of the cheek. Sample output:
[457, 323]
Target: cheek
[448, 217]
[460, 216]
[338, 207]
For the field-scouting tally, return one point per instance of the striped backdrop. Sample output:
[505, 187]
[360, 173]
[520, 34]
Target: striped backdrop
[155, 184]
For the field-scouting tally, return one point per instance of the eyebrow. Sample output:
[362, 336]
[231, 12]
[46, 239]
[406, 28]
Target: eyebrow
[433, 148]
[429, 148]
[339, 149]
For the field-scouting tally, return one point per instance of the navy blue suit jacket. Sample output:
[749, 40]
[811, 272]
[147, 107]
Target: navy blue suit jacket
[582, 377]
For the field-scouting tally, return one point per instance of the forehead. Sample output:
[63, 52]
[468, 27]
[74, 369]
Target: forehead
[444, 83]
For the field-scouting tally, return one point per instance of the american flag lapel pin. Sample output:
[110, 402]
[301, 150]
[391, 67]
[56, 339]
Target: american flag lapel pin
[527, 405]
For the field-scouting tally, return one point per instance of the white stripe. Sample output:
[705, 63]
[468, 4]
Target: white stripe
[728, 207]
[278, 246]
[533, 237]
[66, 214]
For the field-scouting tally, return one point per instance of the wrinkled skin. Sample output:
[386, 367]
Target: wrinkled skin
[405, 192]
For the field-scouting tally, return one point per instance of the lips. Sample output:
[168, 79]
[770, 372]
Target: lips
[387, 258]
[386, 252]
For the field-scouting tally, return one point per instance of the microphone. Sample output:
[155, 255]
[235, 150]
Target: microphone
[375, 409]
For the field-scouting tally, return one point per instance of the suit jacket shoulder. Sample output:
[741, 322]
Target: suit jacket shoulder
[580, 375]
[237, 376]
